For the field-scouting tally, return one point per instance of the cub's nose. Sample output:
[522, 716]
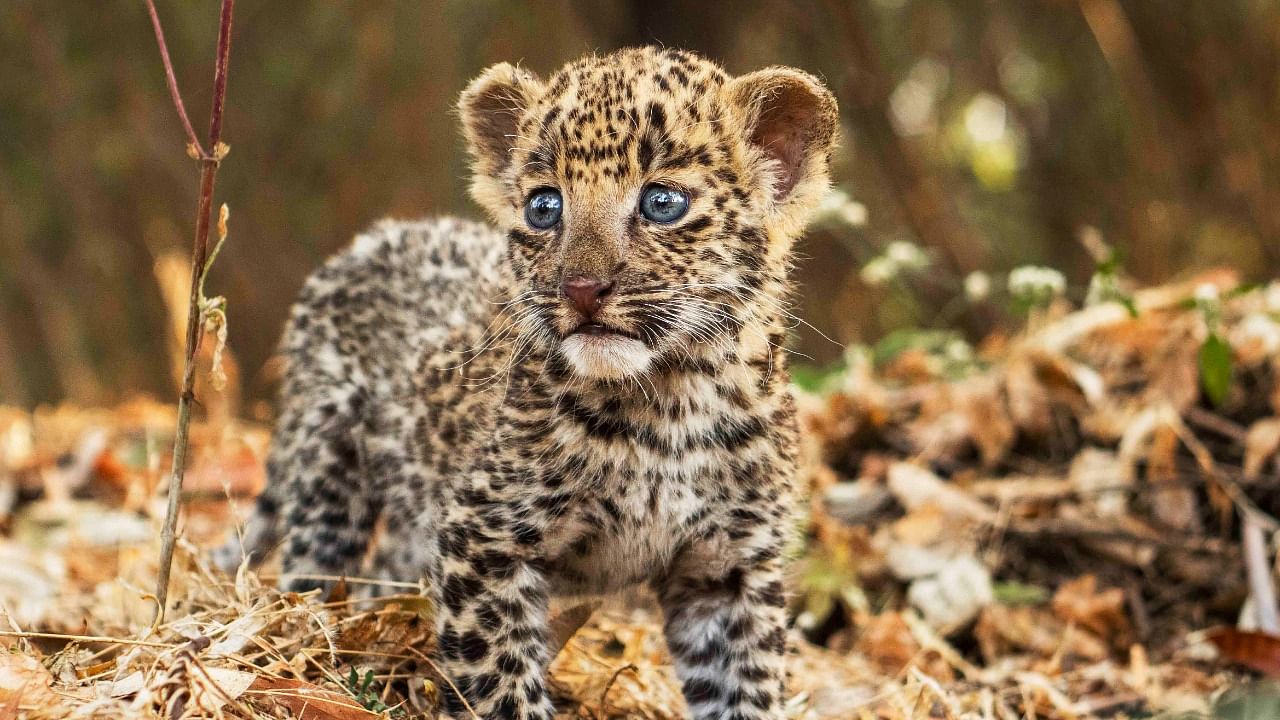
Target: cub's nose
[586, 294]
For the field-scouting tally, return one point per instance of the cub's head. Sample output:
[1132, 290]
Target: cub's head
[650, 200]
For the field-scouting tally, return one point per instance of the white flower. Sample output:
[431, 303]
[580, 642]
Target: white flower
[1034, 283]
[832, 201]
[838, 206]
[1272, 298]
[879, 271]
[985, 118]
[958, 351]
[977, 286]
[1207, 293]
[898, 257]
[1258, 329]
[853, 214]
[907, 255]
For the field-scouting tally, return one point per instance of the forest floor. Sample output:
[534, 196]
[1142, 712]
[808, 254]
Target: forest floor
[1073, 521]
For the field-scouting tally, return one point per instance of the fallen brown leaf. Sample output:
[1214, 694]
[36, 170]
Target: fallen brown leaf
[306, 701]
[886, 641]
[1080, 602]
[1001, 630]
[1256, 650]
[1261, 444]
[24, 682]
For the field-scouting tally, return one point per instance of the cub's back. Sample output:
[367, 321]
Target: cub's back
[367, 315]
[404, 300]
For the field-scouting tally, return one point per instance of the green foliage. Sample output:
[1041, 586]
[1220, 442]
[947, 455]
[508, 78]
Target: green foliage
[818, 380]
[1033, 287]
[364, 693]
[1214, 358]
[1014, 593]
[1215, 368]
[1105, 285]
[947, 348]
[830, 578]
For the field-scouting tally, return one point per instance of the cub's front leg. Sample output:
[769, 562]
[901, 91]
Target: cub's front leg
[492, 621]
[726, 629]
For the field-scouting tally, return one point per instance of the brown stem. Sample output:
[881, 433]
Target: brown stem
[173, 81]
[220, 74]
[199, 255]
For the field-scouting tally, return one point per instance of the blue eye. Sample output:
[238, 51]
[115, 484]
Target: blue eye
[543, 209]
[662, 204]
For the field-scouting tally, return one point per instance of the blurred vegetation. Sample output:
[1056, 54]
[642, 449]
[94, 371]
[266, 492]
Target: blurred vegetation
[991, 134]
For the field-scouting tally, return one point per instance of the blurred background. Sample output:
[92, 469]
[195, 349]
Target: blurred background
[979, 136]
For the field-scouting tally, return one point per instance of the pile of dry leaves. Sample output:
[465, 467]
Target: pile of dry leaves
[1074, 522]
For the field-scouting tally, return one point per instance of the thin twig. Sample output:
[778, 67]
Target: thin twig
[1244, 504]
[268, 578]
[199, 259]
[85, 638]
[173, 83]
[1216, 423]
[604, 694]
[449, 681]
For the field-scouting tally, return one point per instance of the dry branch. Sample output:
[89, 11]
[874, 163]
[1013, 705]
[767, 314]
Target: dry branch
[209, 161]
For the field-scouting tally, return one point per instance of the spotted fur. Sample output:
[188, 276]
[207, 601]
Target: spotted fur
[436, 383]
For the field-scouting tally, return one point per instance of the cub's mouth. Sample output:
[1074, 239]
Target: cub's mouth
[593, 328]
[598, 350]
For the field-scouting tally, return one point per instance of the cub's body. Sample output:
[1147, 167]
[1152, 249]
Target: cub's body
[589, 399]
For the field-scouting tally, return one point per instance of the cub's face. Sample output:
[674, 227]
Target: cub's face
[650, 200]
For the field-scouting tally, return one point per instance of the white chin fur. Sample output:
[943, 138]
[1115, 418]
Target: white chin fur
[608, 357]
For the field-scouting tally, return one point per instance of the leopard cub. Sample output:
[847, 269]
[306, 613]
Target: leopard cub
[589, 397]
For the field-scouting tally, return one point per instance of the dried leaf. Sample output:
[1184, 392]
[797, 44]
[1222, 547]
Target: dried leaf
[305, 701]
[569, 621]
[954, 596]
[915, 487]
[1080, 602]
[390, 629]
[1256, 650]
[1261, 444]
[856, 503]
[24, 682]
[1002, 630]
[887, 642]
[1255, 339]
[216, 686]
[1103, 480]
[1173, 503]
[1029, 404]
[239, 634]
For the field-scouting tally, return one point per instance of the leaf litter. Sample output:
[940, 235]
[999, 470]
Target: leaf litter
[1048, 529]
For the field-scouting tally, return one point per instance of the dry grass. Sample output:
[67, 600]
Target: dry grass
[78, 642]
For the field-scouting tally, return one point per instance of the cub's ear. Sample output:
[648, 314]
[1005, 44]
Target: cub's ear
[491, 108]
[791, 119]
